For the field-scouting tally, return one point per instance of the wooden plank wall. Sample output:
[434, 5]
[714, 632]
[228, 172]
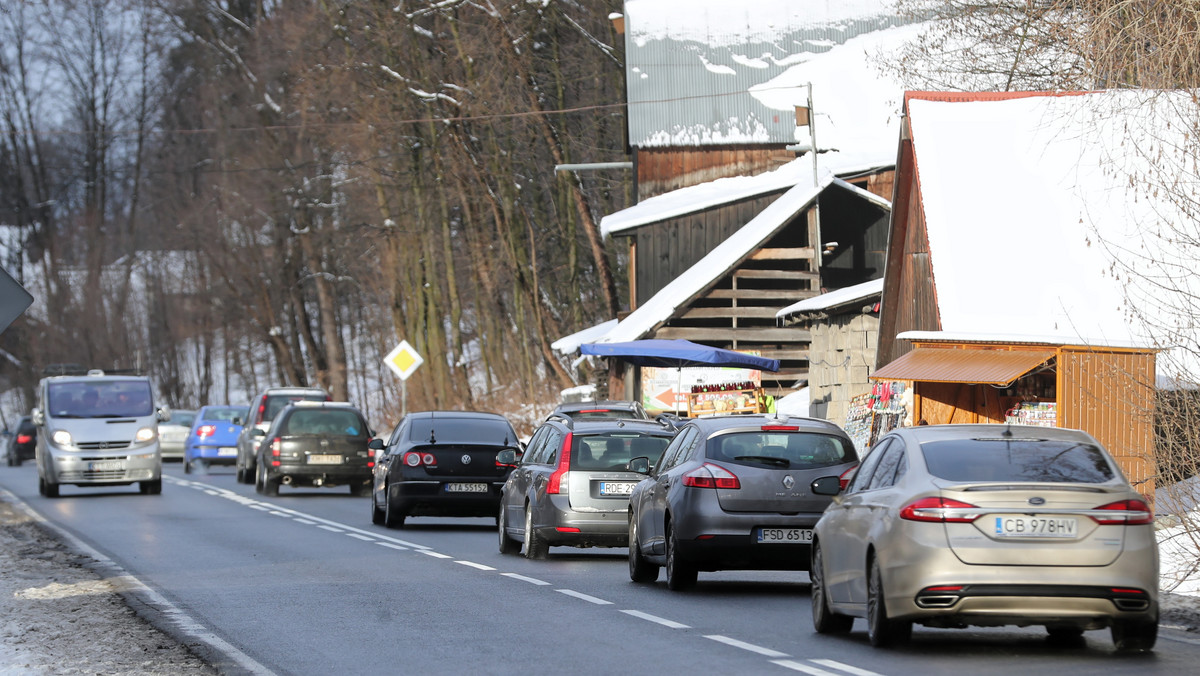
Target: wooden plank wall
[661, 170]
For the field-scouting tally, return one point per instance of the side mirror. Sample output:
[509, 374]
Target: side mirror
[508, 456]
[237, 420]
[376, 444]
[162, 413]
[38, 417]
[826, 485]
[641, 465]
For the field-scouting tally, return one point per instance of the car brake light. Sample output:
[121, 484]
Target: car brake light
[1124, 513]
[781, 428]
[709, 475]
[844, 478]
[262, 410]
[940, 510]
[24, 438]
[554, 487]
[595, 410]
[415, 458]
[206, 431]
[276, 445]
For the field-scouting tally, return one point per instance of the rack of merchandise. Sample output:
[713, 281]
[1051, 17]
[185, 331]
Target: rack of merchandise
[1040, 413]
[876, 413]
[724, 398]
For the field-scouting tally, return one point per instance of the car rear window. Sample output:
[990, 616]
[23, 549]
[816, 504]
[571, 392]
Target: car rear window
[275, 403]
[324, 421]
[787, 449]
[600, 413]
[226, 413]
[612, 451]
[463, 430]
[1000, 459]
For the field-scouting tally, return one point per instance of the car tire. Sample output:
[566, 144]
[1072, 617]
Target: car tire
[824, 620]
[640, 570]
[1135, 636]
[882, 631]
[150, 487]
[393, 517]
[270, 485]
[507, 544]
[376, 512]
[535, 545]
[47, 488]
[187, 466]
[680, 574]
[259, 486]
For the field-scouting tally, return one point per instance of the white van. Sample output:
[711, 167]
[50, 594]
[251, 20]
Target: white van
[98, 430]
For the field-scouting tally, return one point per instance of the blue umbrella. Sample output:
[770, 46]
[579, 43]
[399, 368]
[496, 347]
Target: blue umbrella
[677, 354]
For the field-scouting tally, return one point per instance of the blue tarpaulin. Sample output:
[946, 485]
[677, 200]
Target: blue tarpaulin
[677, 354]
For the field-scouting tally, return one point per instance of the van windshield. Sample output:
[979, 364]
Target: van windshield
[100, 399]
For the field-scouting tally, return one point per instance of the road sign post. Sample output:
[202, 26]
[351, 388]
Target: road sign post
[403, 360]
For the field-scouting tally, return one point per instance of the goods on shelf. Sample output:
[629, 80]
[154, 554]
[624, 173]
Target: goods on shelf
[740, 397]
[876, 413]
[1040, 413]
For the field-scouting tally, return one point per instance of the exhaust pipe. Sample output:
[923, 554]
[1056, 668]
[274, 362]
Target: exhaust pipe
[318, 482]
[287, 480]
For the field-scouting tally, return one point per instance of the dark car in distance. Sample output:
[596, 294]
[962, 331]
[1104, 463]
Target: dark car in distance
[572, 485]
[258, 415]
[315, 443]
[734, 492]
[441, 463]
[22, 445]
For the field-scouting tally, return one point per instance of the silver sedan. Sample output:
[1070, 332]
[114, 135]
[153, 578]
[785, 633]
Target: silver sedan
[987, 525]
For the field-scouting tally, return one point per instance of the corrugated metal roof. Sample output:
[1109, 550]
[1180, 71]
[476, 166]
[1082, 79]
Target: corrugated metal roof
[688, 78]
[964, 365]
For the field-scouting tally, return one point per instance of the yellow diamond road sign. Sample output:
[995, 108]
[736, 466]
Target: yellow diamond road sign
[403, 359]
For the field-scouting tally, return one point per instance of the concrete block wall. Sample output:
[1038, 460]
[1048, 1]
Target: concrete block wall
[841, 356]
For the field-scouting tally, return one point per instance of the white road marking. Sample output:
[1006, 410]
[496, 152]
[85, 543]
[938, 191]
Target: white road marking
[258, 507]
[392, 546]
[430, 552]
[800, 666]
[746, 646]
[530, 580]
[472, 564]
[585, 597]
[306, 522]
[833, 664]
[658, 620]
[364, 538]
[331, 529]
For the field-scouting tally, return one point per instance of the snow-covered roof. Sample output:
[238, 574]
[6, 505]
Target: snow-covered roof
[747, 64]
[850, 294]
[1045, 216]
[1003, 337]
[694, 198]
[724, 258]
[570, 344]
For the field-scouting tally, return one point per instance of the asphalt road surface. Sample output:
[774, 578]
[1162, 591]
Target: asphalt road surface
[305, 584]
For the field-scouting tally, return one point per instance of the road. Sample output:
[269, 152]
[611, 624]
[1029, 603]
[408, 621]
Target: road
[305, 584]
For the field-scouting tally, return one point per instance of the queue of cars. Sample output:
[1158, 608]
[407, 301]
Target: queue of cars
[945, 526]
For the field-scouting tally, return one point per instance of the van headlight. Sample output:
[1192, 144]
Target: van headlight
[61, 438]
[145, 434]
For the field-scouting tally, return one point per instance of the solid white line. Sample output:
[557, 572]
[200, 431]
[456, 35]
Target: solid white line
[258, 507]
[392, 546]
[472, 564]
[658, 620]
[306, 522]
[799, 666]
[430, 552]
[746, 646]
[833, 664]
[364, 538]
[276, 512]
[210, 492]
[585, 597]
[530, 580]
[185, 623]
[331, 529]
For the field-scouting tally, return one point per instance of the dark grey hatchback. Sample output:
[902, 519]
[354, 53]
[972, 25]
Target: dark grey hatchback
[315, 443]
[733, 492]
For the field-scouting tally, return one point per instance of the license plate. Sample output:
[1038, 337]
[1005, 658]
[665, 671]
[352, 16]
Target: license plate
[770, 535]
[616, 487]
[324, 459]
[106, 465]
[226, 450]
[1020, 526]
[466, 488]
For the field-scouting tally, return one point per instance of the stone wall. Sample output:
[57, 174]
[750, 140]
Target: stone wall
[841, 356]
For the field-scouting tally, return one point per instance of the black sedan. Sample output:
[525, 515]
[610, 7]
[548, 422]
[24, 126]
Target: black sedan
[23, 443]
[441, 463]
[315, 443]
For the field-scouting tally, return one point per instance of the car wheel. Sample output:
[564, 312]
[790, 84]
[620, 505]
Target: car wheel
[47, 488]
[535, 545]
[680, 575]
[376, 512]
[187, 466]
[824, 620]
[270, 485]
[507, 544]
[259, 484]
[1135, 636]
[393, 517]
[640, 570]
[882, 631]
[150, 487]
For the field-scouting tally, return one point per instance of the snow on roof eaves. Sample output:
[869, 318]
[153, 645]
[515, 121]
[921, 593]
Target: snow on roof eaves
[718, 262]
[696, 198]
[825, 301]
[570, 344]
[1001, 337]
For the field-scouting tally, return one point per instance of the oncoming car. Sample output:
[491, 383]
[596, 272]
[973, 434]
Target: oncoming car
[987, 525]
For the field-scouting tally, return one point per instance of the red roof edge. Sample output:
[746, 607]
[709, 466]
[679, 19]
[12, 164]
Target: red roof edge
[960, 97]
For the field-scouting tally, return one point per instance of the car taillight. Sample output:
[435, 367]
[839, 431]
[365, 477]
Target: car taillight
[262, 410]
[206, 431]
[1124, 513]
[416, 458]
[709, 475]
[554, 487]
[24, 438]
[781, 428]
[940, 510]
[276, 446]
[844, 478]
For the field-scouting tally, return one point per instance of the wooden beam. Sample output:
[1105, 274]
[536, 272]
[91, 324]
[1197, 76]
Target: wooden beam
[718, 335]
[722, 312]
[791, 254]
[785, 297]
[774, 274]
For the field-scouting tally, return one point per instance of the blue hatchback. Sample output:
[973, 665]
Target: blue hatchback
[213, 437]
